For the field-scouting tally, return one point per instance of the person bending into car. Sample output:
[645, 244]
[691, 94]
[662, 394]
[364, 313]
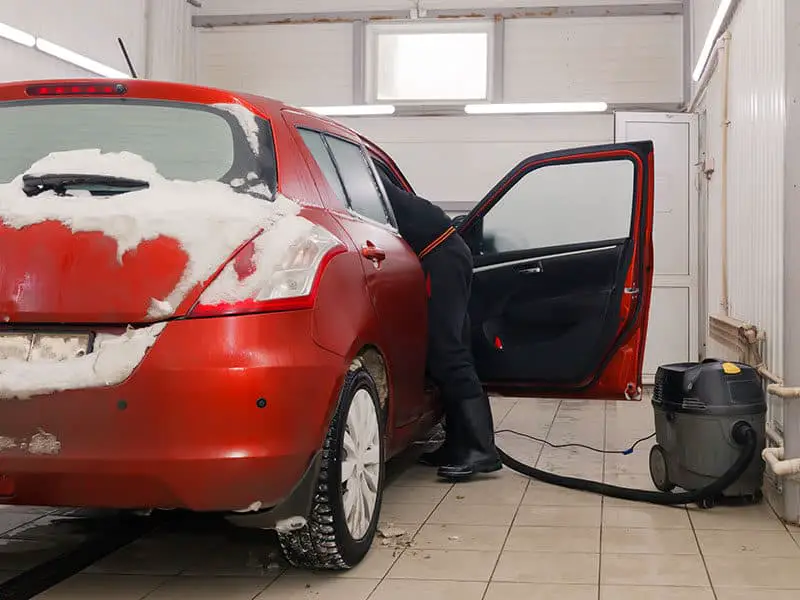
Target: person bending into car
[469, 446]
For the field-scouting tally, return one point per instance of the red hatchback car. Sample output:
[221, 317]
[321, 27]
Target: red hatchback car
[204, 304]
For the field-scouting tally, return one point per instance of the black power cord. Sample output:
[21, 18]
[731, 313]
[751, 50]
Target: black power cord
[626, 452]
[742, 433]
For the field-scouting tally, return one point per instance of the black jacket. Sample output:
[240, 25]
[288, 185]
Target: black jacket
[419, 221]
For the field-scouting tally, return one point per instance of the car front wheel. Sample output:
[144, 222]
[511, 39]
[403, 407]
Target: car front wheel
[344, 516]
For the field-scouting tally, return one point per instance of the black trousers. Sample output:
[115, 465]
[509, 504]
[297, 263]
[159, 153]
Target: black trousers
[470, 430]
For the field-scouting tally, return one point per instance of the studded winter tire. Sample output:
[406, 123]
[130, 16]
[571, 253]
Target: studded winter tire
[347, 501]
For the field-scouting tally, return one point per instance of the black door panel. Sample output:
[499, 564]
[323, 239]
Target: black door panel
[548, 318]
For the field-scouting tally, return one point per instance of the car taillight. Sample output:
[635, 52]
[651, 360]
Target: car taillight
[263, 278]
[77, 89]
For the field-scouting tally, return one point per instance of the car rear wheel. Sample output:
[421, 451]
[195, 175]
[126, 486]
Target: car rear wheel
[349, 491]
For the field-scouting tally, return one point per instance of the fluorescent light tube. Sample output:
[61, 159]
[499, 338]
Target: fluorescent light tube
[78, 59]
[16, 35]
[713, 32]
[539, 107]
[352, 111]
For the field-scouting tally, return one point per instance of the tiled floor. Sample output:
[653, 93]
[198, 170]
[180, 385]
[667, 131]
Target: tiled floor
[499, 538]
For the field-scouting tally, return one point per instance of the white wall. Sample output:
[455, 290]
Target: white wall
[634, 60]
[755, 174]
[458, 159]
[157, 34]
[89, 27]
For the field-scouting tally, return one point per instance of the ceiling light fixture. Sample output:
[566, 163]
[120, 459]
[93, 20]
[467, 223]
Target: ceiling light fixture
[535, 108]
[364, 110]
[714, 30]
[79, 60]
[16, 35]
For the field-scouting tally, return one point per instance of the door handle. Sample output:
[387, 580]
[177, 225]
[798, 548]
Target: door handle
[371, 252]
[534, 270]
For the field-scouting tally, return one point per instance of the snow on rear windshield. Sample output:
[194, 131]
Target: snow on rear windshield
[185, 142]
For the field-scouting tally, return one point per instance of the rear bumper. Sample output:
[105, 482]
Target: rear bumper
[221, 414]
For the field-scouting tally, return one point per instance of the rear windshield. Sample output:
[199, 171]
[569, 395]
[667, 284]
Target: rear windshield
[184, 141]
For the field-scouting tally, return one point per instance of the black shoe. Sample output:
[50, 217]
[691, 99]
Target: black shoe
[462, 472]
[436, 458]
[476, 452]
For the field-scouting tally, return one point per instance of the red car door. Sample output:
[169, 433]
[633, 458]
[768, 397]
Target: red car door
[393, 274]
[563, 258]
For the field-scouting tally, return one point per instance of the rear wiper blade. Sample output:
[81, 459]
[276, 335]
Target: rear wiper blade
[33, 185]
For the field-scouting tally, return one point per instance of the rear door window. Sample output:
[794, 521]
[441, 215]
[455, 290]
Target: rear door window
[316, 145]
[184, 141]
[359, 181]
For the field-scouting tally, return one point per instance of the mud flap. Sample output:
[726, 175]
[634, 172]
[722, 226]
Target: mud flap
[297, 504]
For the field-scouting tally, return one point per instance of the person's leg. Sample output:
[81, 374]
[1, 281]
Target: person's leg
[470, 435]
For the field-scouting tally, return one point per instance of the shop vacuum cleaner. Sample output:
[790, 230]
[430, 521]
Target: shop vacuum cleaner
[710, 421]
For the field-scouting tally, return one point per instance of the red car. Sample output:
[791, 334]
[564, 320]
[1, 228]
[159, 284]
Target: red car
[204, 304]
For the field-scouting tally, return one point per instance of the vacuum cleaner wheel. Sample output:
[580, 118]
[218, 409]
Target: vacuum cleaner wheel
[658, 469]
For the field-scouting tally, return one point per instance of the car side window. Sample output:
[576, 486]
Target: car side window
[562, 205]
[359, 182]
[319, 150]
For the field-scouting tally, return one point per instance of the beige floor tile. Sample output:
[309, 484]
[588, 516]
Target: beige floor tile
[374, 566]
[635, 481]
[637, 592]
[452, 565]
[6, 575]
[558, 516]
[318, 587]
[11, 519]
[503, 490]
[168, 555]
[461, 537]
[499, 590]
[747, 572]
[653, 570]
[406, 513]
[645, 516]
[527, 567]
[726, 593]
[729, 518]
[397, 494]
[747, 543]
[209, 588]
[542, 494]
[101, 587]
[418, 476]
[554, 539]
[452, 512]
[401, 589]
[21, 554]
[239, 559]
[649, 541]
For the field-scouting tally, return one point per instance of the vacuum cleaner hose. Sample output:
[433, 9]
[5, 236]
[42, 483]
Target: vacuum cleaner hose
[742, 433]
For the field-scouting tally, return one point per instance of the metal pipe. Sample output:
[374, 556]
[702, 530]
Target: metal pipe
[774, 437]
[774, 457]
[786, 393]
[724, 172]
[708, 73]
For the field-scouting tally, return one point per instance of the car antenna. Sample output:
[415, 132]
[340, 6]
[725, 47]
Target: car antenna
[127, 58]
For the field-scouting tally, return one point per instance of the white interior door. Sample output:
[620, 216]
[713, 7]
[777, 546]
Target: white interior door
[673, 332]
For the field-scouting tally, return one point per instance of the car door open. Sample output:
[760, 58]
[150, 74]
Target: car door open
[563, 257]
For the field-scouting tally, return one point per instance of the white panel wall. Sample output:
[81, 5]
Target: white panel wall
[171, 41]
[458, 159]
[299, 64]
[755, 173]
[617, 60]
[89, 27]
[634, 60]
